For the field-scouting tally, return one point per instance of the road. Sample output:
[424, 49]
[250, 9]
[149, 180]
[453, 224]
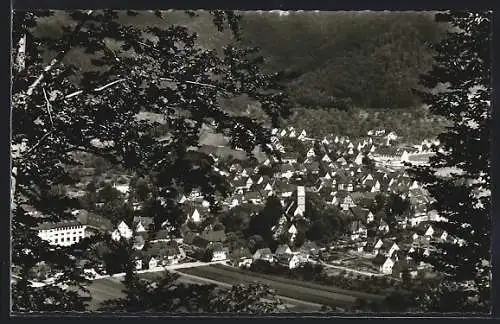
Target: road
[364, 273]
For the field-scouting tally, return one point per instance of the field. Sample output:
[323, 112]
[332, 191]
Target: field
[109, 288]
[306, 291]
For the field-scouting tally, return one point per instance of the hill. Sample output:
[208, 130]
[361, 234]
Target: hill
[340, 65]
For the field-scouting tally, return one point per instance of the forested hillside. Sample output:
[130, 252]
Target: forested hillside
[372, 59]
[346, 64]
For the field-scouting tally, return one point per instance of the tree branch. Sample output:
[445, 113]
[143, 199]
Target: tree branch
[76, 93]
[48, 107]
[21, 54]
[58, 57]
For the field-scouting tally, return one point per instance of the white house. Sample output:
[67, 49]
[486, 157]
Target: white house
[291, 261]
[195, 216]
[370, 217]
[393, 249]
[384, 264]
[359, 159]
[153, 263]
[310, 153]
[429, 232]
[123, 230]
[302, 135]
[293, 232]
[220, 253]
[326, 159]
[182, 199]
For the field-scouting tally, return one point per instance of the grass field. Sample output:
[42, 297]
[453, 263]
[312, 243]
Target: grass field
[109, 288]
[285, 287]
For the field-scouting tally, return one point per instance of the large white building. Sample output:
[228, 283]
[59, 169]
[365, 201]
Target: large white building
[62, 233]
[67, 233]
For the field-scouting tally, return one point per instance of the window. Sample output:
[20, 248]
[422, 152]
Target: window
[74, 238]
[56, 240]
[81, 237]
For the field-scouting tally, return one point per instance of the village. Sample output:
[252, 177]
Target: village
[347, 175]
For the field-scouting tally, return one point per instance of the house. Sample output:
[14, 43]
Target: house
[245, 262]
[429, 232]
[370, 217]
[93, 223]
[139, 242]
[163, 253]
[441, 235]
[383, 226]
[402, 266]
[359, 159]
[292, 230]
[282, 249]
[263, 254]
[161, 236]
[195, 216]
[302, 135]
[394, 247]
[123, 230]
[357, 230]
[290, 157]
[326, 159]
[290, 261]
[219, 252]
[384, 264]
[153, 263]
[310, 153]
[347, 203]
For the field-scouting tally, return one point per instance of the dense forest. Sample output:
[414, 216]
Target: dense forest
[355, 70]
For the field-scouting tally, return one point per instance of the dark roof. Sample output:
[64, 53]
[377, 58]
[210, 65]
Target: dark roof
[281, 249]
[379, 260]
[47, 226]
[145, 221]
[162, 249]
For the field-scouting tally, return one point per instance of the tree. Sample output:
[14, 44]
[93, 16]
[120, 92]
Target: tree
[254, 298]
[238, 218]
[159, 70]
[263, 222]
[462, 198]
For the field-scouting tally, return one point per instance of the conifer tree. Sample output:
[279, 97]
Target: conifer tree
[462, 195]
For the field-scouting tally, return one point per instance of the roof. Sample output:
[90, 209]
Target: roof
[281, 249]
[379, 260]
[162, 249]
[54, 225]
[264, 251]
